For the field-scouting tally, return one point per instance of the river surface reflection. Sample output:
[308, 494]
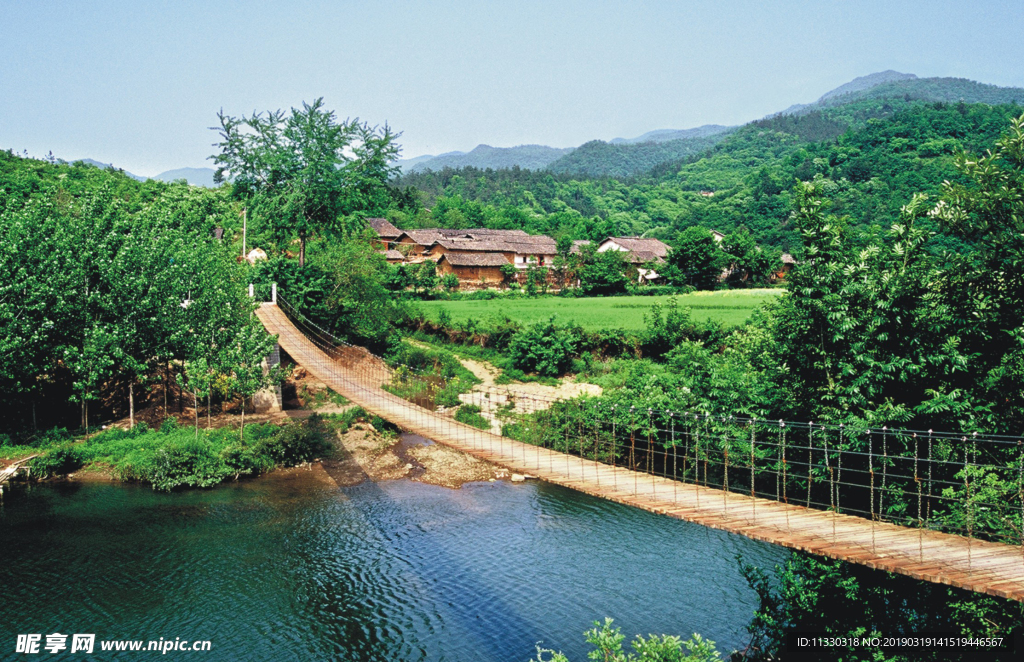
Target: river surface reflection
[289, 567]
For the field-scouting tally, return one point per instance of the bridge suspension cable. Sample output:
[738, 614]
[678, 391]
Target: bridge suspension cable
[859, 494]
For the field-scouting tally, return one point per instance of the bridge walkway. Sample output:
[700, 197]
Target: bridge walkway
[985, 567]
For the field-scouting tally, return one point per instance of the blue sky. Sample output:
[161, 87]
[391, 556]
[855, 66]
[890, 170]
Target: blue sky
[139, 83]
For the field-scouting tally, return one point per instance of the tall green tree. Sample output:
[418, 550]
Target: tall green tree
[304, 171]
[697, 258]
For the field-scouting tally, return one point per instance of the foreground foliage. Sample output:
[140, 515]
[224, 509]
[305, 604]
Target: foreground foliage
[175, 457]
[837, 599]
[607, 642]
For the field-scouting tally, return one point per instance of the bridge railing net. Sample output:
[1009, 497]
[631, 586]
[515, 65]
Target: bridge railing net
[969, 484]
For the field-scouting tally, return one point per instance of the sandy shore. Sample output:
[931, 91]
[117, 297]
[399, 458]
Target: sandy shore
[365, 454]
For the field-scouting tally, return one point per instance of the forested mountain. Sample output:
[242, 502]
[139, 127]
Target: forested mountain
[598, 159]
[894, 85]
[664, 135]
[105, 166]
[194, 176]
[628, 157]
[869, 157]
[533, 157]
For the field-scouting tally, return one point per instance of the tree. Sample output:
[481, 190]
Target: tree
[750, 264]
[544, 348]
[536, 279]
[450, 282]
[697, 258]
[426, 275]
[303, 172]
[247, 354]
[509, 273]
[602, 273]
[197, 379]
[565, 264]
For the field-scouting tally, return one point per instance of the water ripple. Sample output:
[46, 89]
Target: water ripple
[286, 569]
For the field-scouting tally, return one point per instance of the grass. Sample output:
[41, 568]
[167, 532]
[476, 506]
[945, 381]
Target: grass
[507, 374]
[470, 415]
[315, 399]
[730, 307]
[174, 457]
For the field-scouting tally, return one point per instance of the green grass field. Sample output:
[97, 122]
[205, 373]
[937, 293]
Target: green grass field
[730, 307]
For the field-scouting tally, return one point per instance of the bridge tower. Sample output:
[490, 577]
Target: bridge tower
[269, 399]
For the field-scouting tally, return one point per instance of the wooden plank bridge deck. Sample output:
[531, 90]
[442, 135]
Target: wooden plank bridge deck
[985, 567]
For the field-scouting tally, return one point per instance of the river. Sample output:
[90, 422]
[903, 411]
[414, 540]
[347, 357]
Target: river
[290, 567]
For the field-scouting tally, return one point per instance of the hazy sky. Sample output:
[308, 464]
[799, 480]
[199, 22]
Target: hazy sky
[139, 83]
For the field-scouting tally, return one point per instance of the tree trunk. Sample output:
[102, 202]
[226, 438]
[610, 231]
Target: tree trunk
[195, 396]
[241, 430]
[35, 425]
[302, 249]
[208, 405]
[131, 405]
[167, 368]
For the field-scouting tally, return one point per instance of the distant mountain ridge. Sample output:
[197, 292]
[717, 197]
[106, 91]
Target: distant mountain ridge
[894, 84]
[622, 157]
[194, 176]
[533, 157]
[665, 135]
[104, 166]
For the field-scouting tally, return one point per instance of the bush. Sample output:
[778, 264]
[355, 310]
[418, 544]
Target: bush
[298, 442]
[343, 421]
[192, 463]
[243, 460]
[544, 348]
[470, 415]
[57, 461]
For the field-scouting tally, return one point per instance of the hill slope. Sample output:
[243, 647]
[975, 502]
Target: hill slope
[533, 157]
[194, 176]
[601, 159]
[664, 135]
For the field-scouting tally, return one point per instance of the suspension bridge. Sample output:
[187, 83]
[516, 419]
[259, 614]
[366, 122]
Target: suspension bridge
[931, 506]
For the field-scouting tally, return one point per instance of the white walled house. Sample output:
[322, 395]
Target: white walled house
[640, 252]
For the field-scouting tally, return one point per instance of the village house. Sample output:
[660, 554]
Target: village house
[640, 252]
[483, 269]
[474, 255]
[787, 265]
[387, 233]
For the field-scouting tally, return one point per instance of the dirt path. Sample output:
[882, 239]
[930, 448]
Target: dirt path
[525, 397]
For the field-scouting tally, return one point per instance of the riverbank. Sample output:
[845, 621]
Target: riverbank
[364, 454]
[345, 444]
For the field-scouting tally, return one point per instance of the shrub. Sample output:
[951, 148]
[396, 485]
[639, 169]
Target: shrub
[450, 282]
[243, 460]
[470, 415]
[57, 461]
[298, 442]
[343, 421]
[190, 463]
[544, 348]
